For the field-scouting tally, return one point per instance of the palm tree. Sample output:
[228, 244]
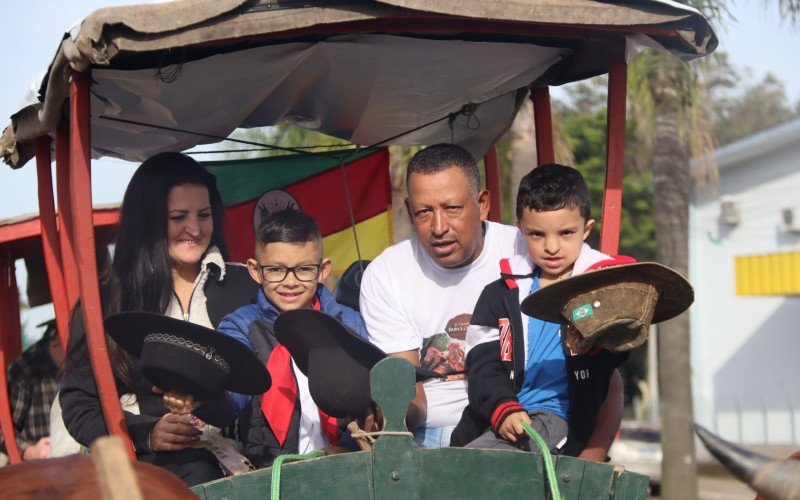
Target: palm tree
[674, 115]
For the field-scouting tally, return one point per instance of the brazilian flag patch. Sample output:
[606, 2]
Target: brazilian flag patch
[582, 312]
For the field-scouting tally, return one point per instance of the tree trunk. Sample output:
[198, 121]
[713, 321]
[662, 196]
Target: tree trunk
[522, 147]
[671, 184]
[401, 224]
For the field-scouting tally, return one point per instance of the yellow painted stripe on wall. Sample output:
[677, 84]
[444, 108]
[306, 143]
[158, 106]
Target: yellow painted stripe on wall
[768, 274]
[374, 235]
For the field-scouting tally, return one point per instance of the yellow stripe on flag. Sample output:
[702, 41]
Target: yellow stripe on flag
[374, 235]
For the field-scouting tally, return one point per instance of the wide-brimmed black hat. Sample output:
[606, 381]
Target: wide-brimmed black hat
[336, 361]
[189, 358]
[613, 307]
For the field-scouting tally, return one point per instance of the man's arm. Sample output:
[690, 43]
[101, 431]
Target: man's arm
[392, 331]
[608, 421]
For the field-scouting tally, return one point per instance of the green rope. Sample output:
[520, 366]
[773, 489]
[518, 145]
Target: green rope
[276, 469]
[548, 460]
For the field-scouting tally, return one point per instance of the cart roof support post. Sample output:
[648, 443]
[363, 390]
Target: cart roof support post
[10, 348]
[492, 171]
[83, 237]
[543, 123]
[51, 247]
[615, 153]
[69, 264]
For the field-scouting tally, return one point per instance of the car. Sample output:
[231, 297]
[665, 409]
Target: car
[637, 447]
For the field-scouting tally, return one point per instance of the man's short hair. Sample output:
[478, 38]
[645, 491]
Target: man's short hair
[288, 226]
[552, 187]
[440, 157]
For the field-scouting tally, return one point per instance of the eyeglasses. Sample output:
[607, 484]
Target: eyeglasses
[276, 274]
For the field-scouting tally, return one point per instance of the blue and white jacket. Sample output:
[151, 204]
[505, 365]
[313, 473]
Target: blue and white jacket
[253, 326]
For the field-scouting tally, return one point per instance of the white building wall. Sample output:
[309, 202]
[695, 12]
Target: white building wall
[746, 350]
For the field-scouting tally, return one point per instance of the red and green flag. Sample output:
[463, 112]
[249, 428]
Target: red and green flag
[313, 183]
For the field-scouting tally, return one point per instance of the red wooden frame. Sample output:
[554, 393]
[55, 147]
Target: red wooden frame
[50, 242]
[68, 259]
[81, 204]
[615, 155]
[10, 348]
[543, 123]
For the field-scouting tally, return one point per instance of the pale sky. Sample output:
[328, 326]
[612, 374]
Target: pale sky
[32, 30]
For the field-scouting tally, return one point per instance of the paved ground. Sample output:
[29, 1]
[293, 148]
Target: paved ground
[722, 488]
[719, 488]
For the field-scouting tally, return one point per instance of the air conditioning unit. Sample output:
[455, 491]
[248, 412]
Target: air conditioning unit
[790, 222]
[729, 210]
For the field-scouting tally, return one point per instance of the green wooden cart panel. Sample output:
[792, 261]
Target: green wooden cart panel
[472, 473]
[336, 476]
[398, 469]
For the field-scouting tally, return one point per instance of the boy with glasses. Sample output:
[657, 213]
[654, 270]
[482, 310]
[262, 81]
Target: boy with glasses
[290, 268]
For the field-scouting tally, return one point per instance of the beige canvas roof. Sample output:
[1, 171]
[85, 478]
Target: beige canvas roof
[169, 76]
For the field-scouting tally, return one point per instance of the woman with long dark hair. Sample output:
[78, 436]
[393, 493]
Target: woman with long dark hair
[169, 258]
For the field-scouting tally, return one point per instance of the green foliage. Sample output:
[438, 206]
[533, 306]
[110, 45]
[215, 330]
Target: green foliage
[742, 106]
[584, 121]
[284, 136]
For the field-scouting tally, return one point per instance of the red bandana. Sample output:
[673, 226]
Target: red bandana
[279, 401]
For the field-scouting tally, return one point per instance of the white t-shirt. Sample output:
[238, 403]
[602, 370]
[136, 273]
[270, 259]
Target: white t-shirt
[311, 435]
[410, 302]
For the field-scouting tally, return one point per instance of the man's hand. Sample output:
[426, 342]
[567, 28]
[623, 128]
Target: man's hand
[39, 450]
[174, 432]
[511, 428]
[594, 454]
[373, 419]
[335, 450]
[575, 341]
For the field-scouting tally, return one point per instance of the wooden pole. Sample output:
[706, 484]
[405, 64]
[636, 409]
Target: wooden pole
[615, 155]
[543, 122]
[50, 243]
[492, 171]
[68, 259]
[81, 204]
[114, 470]
[10, 330]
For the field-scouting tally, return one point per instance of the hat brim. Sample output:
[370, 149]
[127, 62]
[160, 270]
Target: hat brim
[247, 375]
[339, 381]
[675, 294]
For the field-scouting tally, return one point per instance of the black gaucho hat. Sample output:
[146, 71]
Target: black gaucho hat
[189, 358]
[613, 307]
[336, 361]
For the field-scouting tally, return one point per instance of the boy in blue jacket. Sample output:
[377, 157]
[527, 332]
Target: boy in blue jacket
[290, 268]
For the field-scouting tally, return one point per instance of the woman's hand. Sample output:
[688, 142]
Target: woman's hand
[177, 402]
[174, 432]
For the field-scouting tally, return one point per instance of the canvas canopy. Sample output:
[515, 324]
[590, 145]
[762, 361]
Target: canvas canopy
[173, 75]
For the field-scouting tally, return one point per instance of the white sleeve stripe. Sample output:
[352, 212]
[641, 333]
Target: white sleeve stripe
[477, 334]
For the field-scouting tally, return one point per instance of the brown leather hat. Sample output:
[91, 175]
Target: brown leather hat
[613, 307]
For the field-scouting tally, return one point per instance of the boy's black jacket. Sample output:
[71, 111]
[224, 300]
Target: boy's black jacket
[493, 381]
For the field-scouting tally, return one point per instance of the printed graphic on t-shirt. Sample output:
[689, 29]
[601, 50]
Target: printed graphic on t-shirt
[443, 352]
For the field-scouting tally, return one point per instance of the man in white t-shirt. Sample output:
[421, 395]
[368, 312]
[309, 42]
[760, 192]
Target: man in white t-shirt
[417, 297]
